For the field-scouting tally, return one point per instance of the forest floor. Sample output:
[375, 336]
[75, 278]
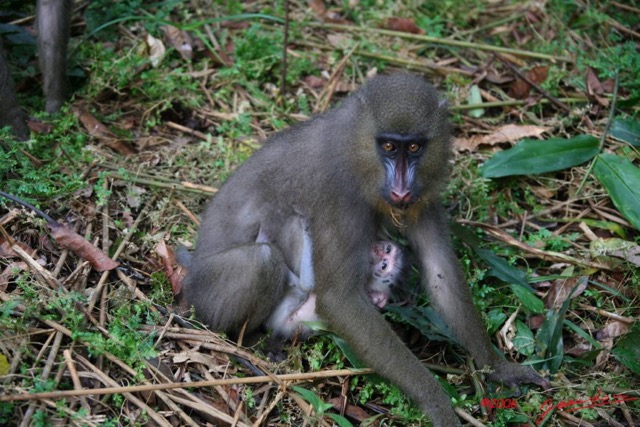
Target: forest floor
[169, 98]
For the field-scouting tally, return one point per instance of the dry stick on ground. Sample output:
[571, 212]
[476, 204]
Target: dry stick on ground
[162, 182]
[161, 395]
[263, 416]
[533, 84]
[187, 130]
[204, 408]
[73, 372]
[333, 81]
[125, 241]
[615, 316]
[440, 41]
[545, 255]
[50, 281]
[98, 373]
[423, 65]
[115, 389]
[467, 417]
[555, 208]
[46, 371]
[231, 403]
[133, 399]
[513, 103]
[285, 42]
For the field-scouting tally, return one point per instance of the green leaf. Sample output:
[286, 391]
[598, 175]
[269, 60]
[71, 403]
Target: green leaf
[426, 320]
[622, 181]
[340, 420]
[627, 349]
[531, 156]
[496, 319]
[318, 405]
[528, 298]
[502, 269]
[347, 351]
[549, 340]
[523, 341]
[626, 130]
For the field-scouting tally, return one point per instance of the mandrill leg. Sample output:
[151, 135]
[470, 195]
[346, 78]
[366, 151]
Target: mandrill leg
[241, 284]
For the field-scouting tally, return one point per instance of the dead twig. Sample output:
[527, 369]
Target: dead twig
[115, 389]
[545, 255]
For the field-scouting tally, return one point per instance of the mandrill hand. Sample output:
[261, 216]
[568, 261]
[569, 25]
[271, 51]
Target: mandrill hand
[513, 374]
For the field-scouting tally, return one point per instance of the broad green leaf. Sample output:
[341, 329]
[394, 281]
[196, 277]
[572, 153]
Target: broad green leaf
[549, 340]
[523, 341]
[531, 156]
[315, 401]
[622, 181]
[340, 420]
[585, 336]
[502, 269]
[528, 298]
[496, 319]
[627, 350]
[348, 352]
[426, 320]
[626, 130]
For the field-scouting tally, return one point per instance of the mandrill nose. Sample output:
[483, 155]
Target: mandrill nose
[401, 198]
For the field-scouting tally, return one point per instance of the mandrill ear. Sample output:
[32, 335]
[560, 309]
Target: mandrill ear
[442, 103]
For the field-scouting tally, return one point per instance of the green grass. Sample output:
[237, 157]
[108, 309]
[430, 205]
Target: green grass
[73, 175]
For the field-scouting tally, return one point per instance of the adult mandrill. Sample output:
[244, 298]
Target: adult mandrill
[378, 161]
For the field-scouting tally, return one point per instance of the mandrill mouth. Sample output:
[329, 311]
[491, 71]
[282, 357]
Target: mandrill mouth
[401, 198]
[400, 201]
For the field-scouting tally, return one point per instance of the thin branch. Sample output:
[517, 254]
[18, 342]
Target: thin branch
[171, 386]
[436, 40]
[533, 84]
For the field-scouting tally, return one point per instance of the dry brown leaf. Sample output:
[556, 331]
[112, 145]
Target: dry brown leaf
[10, 271]
[175, 275]
[351, 411]
[314, 82]
[318, 7]
[77, 244]
[7, 252]
[561, 289]
[404, 25]
[180, 40]
[39, 127]
[98, 130]
[612, 330]
[594, 87]
[94, 126]
[520, 89]
[507, 133]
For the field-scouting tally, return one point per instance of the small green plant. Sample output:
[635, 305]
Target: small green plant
[43, 168]
[320, 408]
[389, 395]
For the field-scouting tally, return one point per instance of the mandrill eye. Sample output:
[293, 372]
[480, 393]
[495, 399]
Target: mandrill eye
[414, 147]
[388, 147]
